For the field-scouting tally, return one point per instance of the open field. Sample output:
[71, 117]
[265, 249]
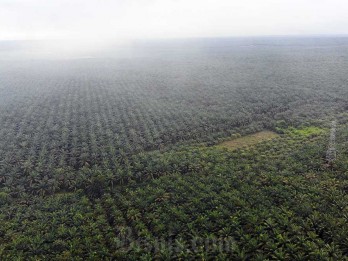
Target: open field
[249, 140]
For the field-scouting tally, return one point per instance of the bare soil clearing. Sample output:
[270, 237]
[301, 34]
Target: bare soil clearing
[249, 140]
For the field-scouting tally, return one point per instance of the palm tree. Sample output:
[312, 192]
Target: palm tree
[110, 178]
[27, 166]
[18, 191]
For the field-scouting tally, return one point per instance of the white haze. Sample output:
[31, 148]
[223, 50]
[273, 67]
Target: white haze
[124, 19]
[96, 23]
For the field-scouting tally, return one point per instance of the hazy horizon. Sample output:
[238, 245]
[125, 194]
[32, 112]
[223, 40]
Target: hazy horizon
[121, 20]
[72, 49]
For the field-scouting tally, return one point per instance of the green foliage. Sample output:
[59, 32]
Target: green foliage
[3, 197]
[108, 159]
[275, 200]
[305, 131]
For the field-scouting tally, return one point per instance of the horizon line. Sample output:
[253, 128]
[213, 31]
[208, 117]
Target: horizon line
[180, 38]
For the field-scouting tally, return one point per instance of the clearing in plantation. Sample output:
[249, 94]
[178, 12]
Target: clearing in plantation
[249, 140]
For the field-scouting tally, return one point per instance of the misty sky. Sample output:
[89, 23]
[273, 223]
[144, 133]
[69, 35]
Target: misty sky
[123, 19]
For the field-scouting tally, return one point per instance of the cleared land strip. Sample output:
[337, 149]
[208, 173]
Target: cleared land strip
[249, 140]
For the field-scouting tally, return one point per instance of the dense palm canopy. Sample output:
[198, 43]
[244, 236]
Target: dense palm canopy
[122, 158]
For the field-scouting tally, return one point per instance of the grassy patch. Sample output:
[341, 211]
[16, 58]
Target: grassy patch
[307, 131]
[249, 140]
